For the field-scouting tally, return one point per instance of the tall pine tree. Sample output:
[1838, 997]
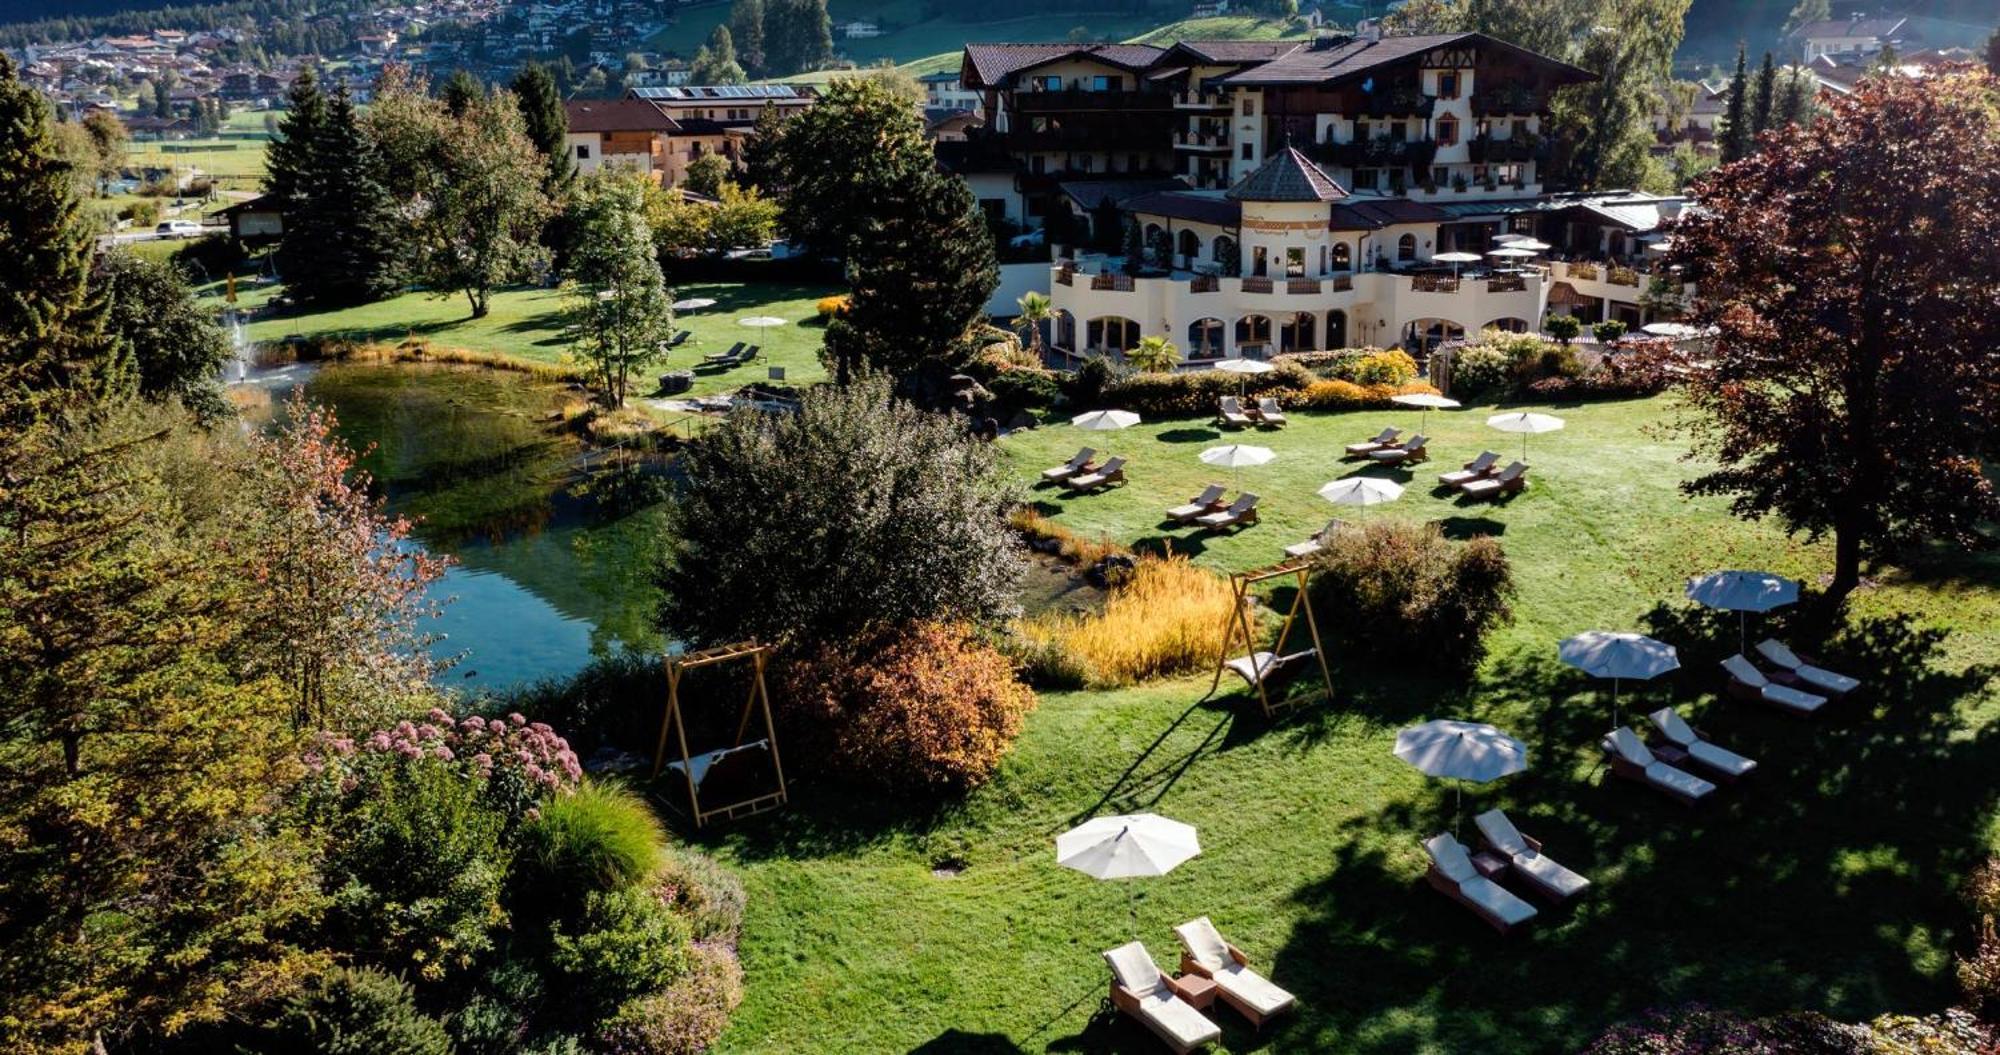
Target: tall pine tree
[1735, 139]
[460, 91]
[359, 234]
[548, 125]
[746, 31]
[291, 172]
[1763, 96]
[53, 349]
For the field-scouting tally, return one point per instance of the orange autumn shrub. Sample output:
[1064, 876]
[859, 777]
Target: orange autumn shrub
[832, 307]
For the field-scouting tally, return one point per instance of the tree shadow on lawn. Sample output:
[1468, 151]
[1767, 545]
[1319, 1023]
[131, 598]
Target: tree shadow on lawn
[1809, 885]
[1189, 435]
[734, 297]
[959, 1042]
[1462, 528]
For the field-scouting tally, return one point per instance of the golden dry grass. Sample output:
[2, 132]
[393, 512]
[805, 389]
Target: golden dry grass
[1166, 619]
[1080, 550]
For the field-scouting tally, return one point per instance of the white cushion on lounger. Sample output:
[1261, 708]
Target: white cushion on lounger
[1252, 988]
[1793, 699]
[1303, 549]
[1680, 780]
[1204, 943]
[1720, 759]
[1744, 671]
[1450, 857]
[1549, 875]
[1500, 831]
[1188, 1027]
[1495, 899]
[1134, 968]
[1629, 747]
[1670, 723]
[1825, 680]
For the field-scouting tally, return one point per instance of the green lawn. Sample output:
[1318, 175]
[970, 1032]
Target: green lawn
[1828, 882]
[526, 323]
[235, 159]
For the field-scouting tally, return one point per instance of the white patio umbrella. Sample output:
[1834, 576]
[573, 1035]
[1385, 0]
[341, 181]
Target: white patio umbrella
[762, 320]
[1618, 655]
[1526, 424]
[1506, 237]
[1676, 330]
[1460, 751]
[1428, 401]
[1127, 846]
[694, 303]
[1243, 368]
[1743, 592]
[1531, 244]
[1105, 420]
[1455, 258]
[1235, 456]
[1361, 491]
[1509, 252]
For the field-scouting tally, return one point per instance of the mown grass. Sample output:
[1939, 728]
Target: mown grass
[1829, 882]
[526, 324]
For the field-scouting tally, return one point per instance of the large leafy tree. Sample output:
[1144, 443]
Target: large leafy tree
[484, 203]
[176, 346]
[922, 271]
[857, 511]
[619, 311]
[1850, 268]
[879, 140]
[715, 62]
[746, 31]
[1630, 45]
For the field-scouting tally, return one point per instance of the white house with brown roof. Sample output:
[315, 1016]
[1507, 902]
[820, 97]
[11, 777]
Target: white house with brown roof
[1847, 36]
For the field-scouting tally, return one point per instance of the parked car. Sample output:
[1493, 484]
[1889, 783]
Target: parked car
[1026, 241]
[178, 229]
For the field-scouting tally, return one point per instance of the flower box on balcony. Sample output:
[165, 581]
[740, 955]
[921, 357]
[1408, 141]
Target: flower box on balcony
[1204, 284]
[1623, 276]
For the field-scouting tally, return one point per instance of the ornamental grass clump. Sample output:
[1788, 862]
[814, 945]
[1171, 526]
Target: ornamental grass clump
[1164, 620]
[602, 837]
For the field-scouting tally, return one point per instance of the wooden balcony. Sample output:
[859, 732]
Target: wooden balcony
[1066, 276]
[1205, 284]
[1434, 283]
[1256, 285]
[1508, 99]
[1342, 283]
[1301, 286]
[1070, 99]
[1116, 283]
[1201, 100]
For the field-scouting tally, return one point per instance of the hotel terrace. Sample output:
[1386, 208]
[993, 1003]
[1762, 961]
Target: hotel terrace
[1297, 195]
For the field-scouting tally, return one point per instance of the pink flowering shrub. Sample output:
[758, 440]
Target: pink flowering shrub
[520, 762]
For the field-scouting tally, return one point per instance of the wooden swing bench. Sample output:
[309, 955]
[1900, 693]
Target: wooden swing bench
[1261, 669]
[732, 764]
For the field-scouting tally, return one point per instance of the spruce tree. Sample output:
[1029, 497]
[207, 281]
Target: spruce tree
[548, 125]
[1765, 93]
[52, 344]
[922, 272]
[359, 247]
[460, 91]
[290, 175]
[1735, 139]
[1993, 53]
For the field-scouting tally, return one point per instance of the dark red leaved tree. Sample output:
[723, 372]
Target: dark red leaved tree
[1853, 269]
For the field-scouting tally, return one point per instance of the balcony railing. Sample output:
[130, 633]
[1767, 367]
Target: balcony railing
[1203, 140]
[1398, 102]
[1115, 283]
[1378, 152]
[1085, 99]
[1434, 283]
[1302, 285]
[1507, 284]
[1581, 269]
[1484, 149]
[1343, 283]
[1085, 136]
[1201, 100]
[1205, 284]
[1508, 99]
[1066, 276]
[1256, 285]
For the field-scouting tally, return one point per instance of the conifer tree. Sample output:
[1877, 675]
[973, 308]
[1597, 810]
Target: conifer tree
[290, 180]
[1735, 139]
[547, 124]
[52, 345]
[746, 31]
[357, 234]
[460, 90]
[1764, 95]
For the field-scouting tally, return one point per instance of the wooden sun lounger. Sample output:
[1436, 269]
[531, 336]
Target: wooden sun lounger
[723, 358]
[1452, 874]
[1073, 467]
[1746, 682]
[1523, 853]
[1317, 542]
[1801, 672]
[1475, 469]
[1725, 765]
[1156, 1000]
[1513, 478]
[1230, 412]
[748, 354]
[1385, 438]
[1269, 413]
[1206, 953]
[1411, 450]
[1208, 501]
[1241, 513]
[1111, 472]
[1631, 760]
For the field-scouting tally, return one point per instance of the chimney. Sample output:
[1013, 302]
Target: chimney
[1368, 30]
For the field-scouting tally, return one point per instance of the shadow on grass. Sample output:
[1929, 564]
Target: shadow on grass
[1189, 435]
[958, 1042]
[1461, 528]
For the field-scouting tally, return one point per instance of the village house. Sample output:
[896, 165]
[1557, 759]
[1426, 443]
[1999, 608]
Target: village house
[1846, 36]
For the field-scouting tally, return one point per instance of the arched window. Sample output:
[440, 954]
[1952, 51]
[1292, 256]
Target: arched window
[1336, 329]
[1190, 247]
[1341, 259]
[1406, 247]
[1253, 331]
[1204, 339]
[1297, 335]
[1111, 333]
[1226, 255]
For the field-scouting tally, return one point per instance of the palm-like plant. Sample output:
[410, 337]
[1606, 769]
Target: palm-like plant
[1154, 354]
[1034, 311]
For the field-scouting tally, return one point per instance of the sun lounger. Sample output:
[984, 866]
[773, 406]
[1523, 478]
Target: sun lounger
[1075, 466]
[748, 354]
[1411, 450]
[1727, 765]
[1382, 439]
[1204, 952]
[1746, 682]
[1474, 469]
[1230, 412]
[1547, 878]
[1453, 875]
[1111, 472]
[1269, 413]
[723, 358]
[1631, 759]
[1317, 542]
[1206, 502]
[1508, 480]
[678, 339]
[1140, 989]
[1241, 513]
[1777, 654]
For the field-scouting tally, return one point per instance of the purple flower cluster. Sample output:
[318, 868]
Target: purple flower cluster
[508, 749]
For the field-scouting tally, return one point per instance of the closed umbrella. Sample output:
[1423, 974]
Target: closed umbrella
[1105, 420]
[1458, 751]
[1526, 424]
[1243, 368]
[1426, 400]
[1235, 456]
[1743, 592]
[1618, 655]
[1127, 846]
[1676, 330]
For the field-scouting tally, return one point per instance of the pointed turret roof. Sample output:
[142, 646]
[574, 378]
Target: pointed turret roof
[1287, 175]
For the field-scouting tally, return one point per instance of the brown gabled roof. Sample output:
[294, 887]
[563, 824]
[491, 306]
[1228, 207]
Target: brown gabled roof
[1287, 175]
[617, 115]
[1348, 59]
[1227, 52]
[991, 65]
[1192, 206]
[1368, 214]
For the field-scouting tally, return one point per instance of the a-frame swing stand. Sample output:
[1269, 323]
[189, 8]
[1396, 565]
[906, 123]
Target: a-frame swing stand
[1259, 667]
[758, 698]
